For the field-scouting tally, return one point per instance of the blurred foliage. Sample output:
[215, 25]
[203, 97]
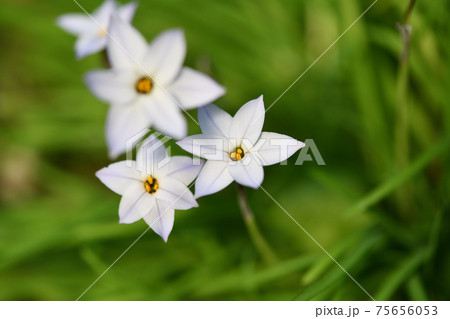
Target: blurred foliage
[380, 206]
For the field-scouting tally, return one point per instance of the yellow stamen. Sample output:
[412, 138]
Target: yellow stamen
[102, 32]
[237, 154]
[144, 85]
[151, 185]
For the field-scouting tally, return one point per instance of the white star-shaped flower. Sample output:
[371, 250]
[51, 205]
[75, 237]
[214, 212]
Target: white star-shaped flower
[147, 85]
[153, 186]
[235, 147]
[92, 31]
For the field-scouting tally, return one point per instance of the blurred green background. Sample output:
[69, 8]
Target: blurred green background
[380, 206]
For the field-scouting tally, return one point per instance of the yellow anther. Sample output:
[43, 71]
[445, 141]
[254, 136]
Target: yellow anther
[144, 85]
[151, 185]
[237, 154]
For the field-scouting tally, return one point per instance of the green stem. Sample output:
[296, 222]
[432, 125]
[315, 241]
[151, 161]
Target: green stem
[402, 135]
[402, 148]
[105, 60]
[408, 11]
[255, 234]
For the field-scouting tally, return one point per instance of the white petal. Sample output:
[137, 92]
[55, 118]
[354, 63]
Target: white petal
[151, 156]
[175, 193]
[165, 56]
[273, 148]
[127, 11]
[125, 45]
[247, 172]
[88, 44]
[183, 168]
[103, 13]
[165, 114]
[76, 23]
[213, 177]
[214, 121]
[146, 204]
[129, 208]
[161, 219]
[194, 89]
[112, 86]
[248, 121]
[119, 176]
[209, 147]
[124, 126]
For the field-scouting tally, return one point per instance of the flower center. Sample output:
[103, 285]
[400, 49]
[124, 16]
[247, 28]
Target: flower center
[151, 185]
[237, 154]
[102, 32]
[144, 85]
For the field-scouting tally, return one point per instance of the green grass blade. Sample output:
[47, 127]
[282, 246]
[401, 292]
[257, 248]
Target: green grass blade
[398, 179]
[399, 275]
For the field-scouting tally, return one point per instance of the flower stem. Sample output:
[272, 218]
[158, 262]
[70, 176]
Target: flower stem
[402, 122]
[105, 60]
[408, 11]
[255, 234]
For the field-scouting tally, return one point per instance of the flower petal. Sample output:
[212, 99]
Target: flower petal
[146, 204]
[214, 121]
[112, 86]
[103, 13]
[161, 219]
[213, 177]
[165, 55]
[125, 124]
[88, 44]
[175, 193]
[151, 156]
[183, 168]
[76, 23]
[194, 89]
[129, 207]
[165, 114]
[127, 11]
[125, 45]
[248, 121]
[211, 148]
[119, 176]
[247, 172]
[273, 148]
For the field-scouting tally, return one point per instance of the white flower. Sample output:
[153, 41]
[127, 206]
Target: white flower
[147, 85]
[91, 31]
[235, 148]
[153, 186]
